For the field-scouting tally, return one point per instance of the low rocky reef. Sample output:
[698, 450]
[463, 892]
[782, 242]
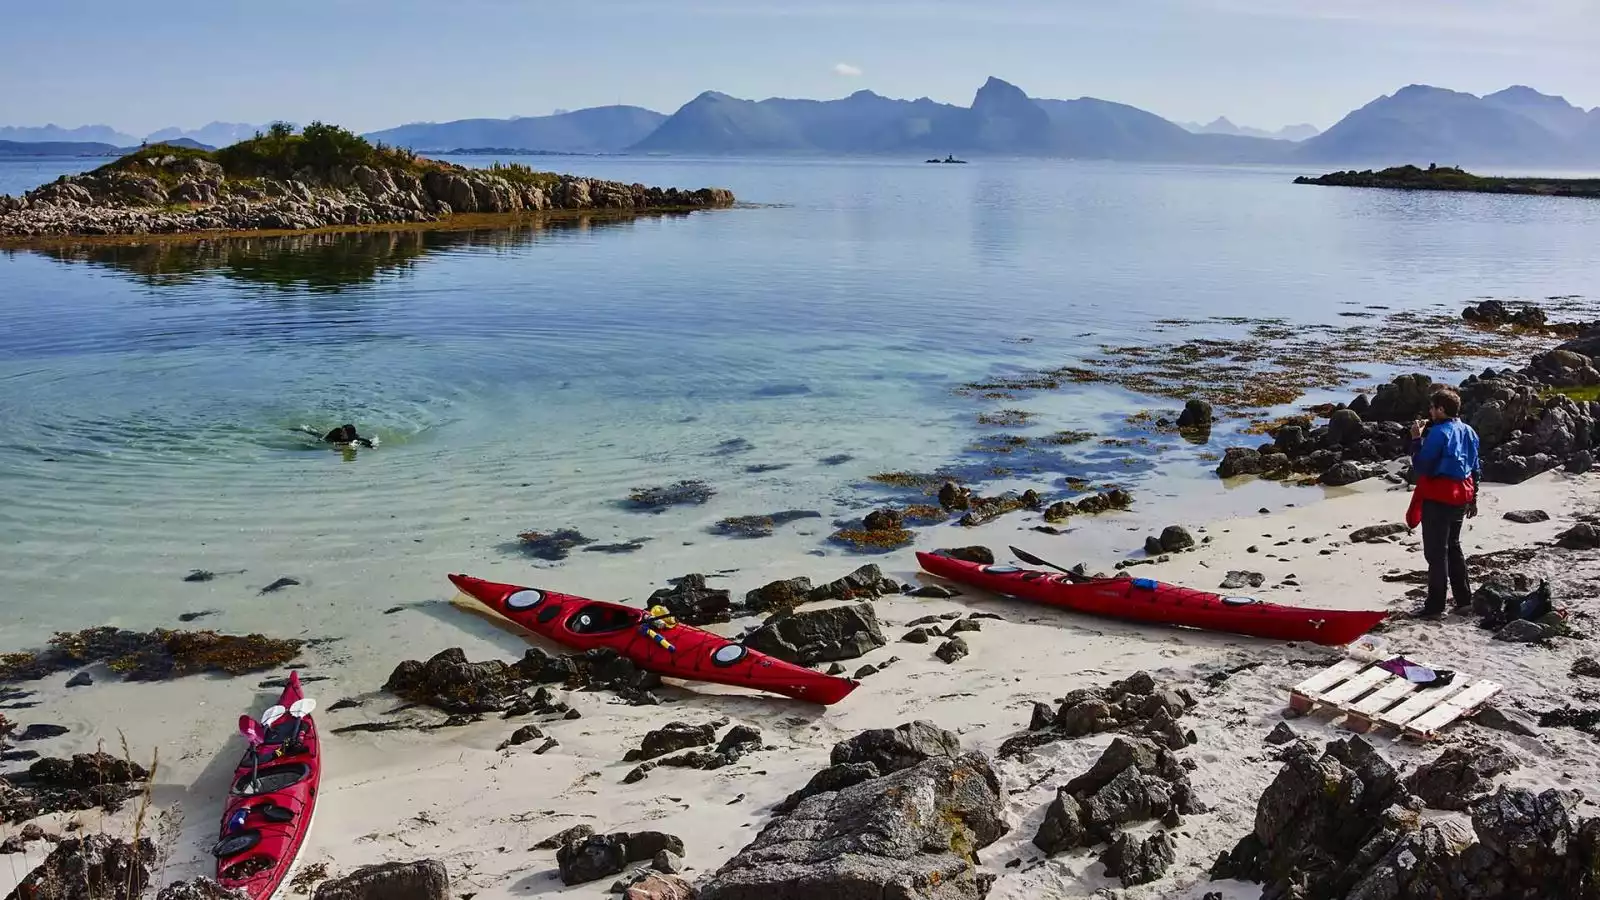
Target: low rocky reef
[1447, 178]
[169, 190]
[1530, 420]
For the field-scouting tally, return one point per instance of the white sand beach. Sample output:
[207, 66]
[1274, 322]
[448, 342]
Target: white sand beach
[450, 795]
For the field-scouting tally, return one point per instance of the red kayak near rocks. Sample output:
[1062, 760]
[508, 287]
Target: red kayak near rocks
[272, 796]
[1147, 600]
[659, 646]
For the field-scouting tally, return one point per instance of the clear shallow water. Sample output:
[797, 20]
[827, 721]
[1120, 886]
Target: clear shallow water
[528, 379]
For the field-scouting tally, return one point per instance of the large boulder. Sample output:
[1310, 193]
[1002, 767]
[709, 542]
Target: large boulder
[808, 637]
[1403, 400]
[912, 835]
[421, 880]
[450, 683]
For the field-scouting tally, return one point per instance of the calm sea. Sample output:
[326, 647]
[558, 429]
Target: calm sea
[153, 398]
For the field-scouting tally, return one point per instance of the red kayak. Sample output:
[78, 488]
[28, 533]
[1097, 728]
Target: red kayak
[271, 800]
[1146, 600]
[679, 651]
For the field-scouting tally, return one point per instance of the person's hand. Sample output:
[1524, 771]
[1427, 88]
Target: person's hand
[1472, 510]
[1416, 429]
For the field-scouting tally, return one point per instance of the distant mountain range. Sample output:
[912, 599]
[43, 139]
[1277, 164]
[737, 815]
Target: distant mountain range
[1518, 126]
[603, 129]
[1221, 125]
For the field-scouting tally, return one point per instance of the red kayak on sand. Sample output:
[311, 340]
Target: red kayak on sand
[676, 651]
[271, 799]
[1146, 600]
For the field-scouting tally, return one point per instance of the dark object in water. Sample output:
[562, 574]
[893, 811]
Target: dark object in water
[346, 434]
[199, 575]
[279, 585]
[191, 616]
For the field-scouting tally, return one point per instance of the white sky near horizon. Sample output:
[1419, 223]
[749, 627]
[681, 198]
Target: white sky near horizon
[368, 65]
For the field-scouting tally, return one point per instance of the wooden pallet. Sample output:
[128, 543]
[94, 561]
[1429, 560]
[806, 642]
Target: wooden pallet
[1370, 697]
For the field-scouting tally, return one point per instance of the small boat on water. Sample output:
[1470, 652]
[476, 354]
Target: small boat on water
[1147, 600]
[948, 160]
[653, 643]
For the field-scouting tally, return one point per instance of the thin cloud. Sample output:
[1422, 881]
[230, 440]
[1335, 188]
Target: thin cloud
[845, 70]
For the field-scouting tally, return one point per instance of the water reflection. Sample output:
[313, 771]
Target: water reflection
[316, 263]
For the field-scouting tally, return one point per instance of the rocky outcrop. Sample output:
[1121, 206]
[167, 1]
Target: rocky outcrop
[172, 194]
[597, 856]
[811, 636]
[86, 781]
[912, 832]
[1459, 775]
[1341, 825]
[421, 880]
[1133, 781]
[199, 889]
[692, 602]
[1136, 705]
[96, 867]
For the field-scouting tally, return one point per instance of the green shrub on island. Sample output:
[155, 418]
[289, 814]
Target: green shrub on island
[318, 150]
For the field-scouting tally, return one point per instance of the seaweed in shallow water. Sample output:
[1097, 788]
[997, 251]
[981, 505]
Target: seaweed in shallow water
[151, 656]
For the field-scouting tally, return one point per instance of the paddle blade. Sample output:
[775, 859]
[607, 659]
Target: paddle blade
[251, 729]
[303, 707]
[273, 714]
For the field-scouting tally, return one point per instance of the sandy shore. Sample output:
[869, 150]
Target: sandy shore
[450, 795]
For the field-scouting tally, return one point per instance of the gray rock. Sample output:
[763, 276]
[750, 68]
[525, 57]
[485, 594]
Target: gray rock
[893, 749]
[1137, 753]
[1521, 631]
[1062, 828]
[963, 625]
[808, 637]
[1510, 721]
[1345, 473]
[1152, 546]
[1237, 461]
[912, 834]
[1580, 463]
[1345, 427]
[673, 737]
[952, 650]
[422, 880]
[867, 581]
[1175, 538]
[1373, 534]
[668, 862]
[562, 838]
[1196, 414]
[1237, 579]
[916, 636]
[1138, 860]
[591, 859]
[779, 595]
[1527, 516]
[983, 556]
[1281, 734]
[1458, 775]
[643, 846]
[1582, 536]
[935, 592]
[1585, 667]
[833, 778]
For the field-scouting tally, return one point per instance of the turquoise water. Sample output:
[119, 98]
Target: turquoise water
[528, 379]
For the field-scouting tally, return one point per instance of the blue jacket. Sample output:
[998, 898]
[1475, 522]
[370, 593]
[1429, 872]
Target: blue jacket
[1448, 450]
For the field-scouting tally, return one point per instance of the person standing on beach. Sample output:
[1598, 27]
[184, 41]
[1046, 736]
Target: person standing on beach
[1444, 457]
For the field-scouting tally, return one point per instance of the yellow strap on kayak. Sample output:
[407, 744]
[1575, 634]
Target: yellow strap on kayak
[654, 635]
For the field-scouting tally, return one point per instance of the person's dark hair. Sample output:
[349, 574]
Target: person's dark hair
[1447, 400]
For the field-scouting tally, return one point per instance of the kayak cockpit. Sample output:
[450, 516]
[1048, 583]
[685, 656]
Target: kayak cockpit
[602, 618]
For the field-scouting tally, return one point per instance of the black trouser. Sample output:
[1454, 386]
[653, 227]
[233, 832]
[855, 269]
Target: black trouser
[1441, 545]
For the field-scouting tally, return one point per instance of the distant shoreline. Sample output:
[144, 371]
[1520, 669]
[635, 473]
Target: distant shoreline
[1435, 178]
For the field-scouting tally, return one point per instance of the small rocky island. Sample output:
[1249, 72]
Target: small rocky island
[322, 177]
[1447, 178]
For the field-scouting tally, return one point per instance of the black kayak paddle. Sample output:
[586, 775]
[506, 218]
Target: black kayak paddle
[1030, 559]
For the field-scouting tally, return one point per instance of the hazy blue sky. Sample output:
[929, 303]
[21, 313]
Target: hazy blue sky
[146, 64]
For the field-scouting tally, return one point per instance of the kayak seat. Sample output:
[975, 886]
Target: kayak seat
[598, 619]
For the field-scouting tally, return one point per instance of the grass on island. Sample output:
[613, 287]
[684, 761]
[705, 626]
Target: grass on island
[1580, 394]
[319, 149]
[1449, 178]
